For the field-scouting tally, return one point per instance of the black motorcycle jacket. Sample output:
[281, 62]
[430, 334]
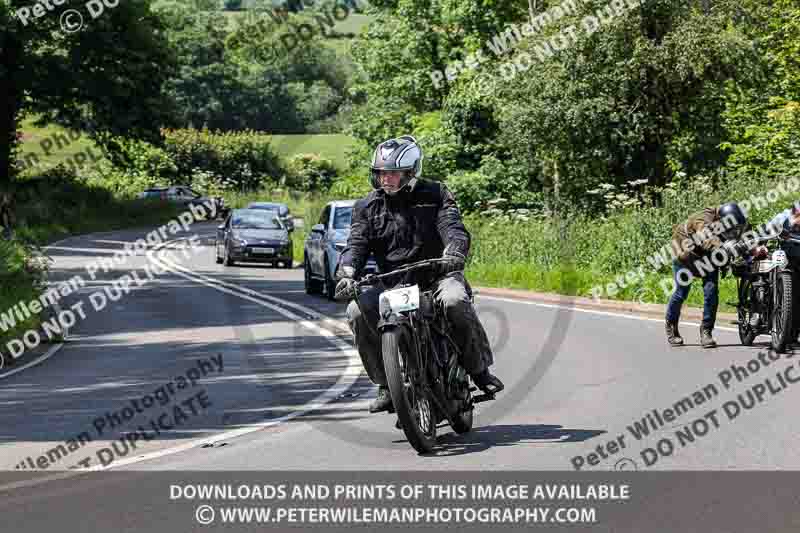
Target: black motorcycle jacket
[415, 224]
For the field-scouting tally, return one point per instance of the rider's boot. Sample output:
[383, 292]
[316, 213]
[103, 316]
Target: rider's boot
[706, 340]
[673, 337]
[488, 383]
[383, 402]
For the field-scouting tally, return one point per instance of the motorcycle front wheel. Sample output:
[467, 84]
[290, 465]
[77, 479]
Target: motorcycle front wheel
[414, 408]
[782, 312]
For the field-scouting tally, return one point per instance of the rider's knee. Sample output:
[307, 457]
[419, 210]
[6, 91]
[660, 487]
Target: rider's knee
[453, 295]
[353, 312]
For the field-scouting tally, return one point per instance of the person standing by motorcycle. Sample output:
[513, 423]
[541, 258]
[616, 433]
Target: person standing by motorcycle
[406, 219]
[697, 239]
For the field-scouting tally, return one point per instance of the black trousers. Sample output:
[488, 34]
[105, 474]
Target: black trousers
[452, 293]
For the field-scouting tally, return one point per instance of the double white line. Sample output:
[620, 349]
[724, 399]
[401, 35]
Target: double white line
[327, 327]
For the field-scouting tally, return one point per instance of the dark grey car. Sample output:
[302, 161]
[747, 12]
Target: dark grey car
[253, 236]
[282, 209]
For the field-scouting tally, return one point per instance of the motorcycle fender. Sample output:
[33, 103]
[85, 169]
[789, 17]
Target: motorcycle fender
[392, 321]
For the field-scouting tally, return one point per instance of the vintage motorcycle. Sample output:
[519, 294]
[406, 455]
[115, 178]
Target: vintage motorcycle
[426, 382]
[765, 293]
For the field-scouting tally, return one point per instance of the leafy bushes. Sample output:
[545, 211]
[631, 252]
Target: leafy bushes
[350, 186]
[58, 203]
[22, 271]
[309, 172]
[575, 252]
[242, 159]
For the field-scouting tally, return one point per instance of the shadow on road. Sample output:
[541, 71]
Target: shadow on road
[481, 439]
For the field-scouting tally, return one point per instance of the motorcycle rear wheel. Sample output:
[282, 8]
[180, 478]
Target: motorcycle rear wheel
[415, 410]
[782, 314]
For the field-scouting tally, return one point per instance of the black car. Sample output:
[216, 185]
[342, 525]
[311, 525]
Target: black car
[253, 236]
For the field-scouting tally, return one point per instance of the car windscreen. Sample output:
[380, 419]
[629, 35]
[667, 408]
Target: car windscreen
[282, 209]
[253, 219]
[342, 217]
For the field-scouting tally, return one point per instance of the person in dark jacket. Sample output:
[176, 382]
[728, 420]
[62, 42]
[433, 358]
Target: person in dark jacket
[404, 220]
[695, 241]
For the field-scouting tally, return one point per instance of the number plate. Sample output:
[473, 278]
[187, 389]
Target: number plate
[399, 300]
[263, 251]
[765, 265]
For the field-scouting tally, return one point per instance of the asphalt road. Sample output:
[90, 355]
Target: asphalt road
[292, 384]
[289, 394]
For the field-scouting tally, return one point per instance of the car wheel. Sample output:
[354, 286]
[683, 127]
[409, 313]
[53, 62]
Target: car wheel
[329, 289]
[311, 284]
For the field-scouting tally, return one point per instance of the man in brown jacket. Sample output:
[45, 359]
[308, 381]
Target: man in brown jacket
[694, 243]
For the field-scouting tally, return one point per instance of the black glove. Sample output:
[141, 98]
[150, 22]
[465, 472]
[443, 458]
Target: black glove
[735, 248]
[345, 290]
[451, 262]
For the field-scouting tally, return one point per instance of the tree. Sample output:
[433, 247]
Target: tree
[642, 97]
[104, 79]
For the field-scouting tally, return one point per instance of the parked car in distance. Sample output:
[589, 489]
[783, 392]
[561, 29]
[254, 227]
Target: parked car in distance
[186, 196]
[282, 209]
[325, 242]
[253, 236]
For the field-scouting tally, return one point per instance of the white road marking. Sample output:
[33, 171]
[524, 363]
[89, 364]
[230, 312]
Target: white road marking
[345, 381]
[42, 358]
[591, 311]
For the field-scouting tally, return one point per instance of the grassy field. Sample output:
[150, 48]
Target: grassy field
[333, 146]
[40, 148]
[45, 147]
[352, 24]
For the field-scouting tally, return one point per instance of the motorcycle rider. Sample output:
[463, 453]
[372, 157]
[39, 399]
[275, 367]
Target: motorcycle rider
[406, 219]
[696, 239]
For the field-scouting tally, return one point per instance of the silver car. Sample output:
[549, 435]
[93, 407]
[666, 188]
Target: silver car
[325, 242]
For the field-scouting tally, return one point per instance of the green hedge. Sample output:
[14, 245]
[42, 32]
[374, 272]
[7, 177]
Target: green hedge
[21, 276]
[242, 160]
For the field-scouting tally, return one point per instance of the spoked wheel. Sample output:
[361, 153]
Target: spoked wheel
[746, 332]
[414, 407]
[782, 312]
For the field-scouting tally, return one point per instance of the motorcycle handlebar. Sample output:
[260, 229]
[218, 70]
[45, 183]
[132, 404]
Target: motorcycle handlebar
[372, 278]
